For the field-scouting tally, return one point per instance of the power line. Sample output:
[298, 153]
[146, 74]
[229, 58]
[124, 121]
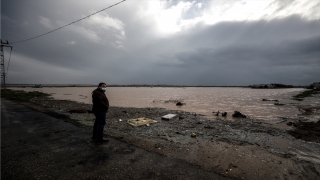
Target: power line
[67, 24]
[9, 63]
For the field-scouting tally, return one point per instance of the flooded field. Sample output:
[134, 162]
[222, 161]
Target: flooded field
[200, 100]
[244, 147]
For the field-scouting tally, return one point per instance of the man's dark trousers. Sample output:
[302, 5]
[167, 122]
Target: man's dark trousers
[99, 124]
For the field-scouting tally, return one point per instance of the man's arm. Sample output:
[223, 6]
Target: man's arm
[99, 100]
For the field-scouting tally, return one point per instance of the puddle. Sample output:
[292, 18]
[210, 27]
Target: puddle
[282, 126]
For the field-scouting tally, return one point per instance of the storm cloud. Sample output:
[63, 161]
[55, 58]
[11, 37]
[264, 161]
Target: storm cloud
[166, 42]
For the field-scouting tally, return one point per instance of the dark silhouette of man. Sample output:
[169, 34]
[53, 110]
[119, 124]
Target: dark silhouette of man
[99, 108]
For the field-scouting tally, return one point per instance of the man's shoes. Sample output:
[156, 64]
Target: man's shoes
[103, 140]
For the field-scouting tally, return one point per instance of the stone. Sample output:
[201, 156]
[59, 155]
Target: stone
[238, 114]
[179, 104]
[289, 123]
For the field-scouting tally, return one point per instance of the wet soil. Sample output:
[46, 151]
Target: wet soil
[308, 131]
[242, 149]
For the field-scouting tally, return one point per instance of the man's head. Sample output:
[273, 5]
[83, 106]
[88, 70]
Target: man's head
[102, 86]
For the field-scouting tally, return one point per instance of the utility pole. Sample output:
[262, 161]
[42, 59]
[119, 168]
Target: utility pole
[3, 70]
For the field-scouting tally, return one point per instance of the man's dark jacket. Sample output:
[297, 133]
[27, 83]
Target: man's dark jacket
[100, 101]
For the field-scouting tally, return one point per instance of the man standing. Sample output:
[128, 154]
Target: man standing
[100, 108]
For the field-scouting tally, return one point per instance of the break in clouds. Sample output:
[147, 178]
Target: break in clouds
[165, 42]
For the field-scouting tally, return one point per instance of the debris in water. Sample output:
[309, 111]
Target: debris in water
[168, 116]
[238, 114]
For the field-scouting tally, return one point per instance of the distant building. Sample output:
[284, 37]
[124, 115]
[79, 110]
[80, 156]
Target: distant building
[282, 86]
[272, 85]
[315, 85]
[262, 86]
[37, 86]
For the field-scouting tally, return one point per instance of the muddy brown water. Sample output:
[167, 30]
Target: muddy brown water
[200, 100]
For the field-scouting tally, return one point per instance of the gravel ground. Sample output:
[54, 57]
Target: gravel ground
[243, 148]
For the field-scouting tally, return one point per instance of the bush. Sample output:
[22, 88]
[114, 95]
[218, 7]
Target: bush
[21, 96]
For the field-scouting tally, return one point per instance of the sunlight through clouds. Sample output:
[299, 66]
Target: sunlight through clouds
[107, 22]
[249, 10]
[169, 18]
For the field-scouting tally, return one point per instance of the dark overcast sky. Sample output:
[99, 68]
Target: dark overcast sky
[167, 42]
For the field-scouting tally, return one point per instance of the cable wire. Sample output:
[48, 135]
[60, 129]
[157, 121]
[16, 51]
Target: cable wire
[67, 24]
